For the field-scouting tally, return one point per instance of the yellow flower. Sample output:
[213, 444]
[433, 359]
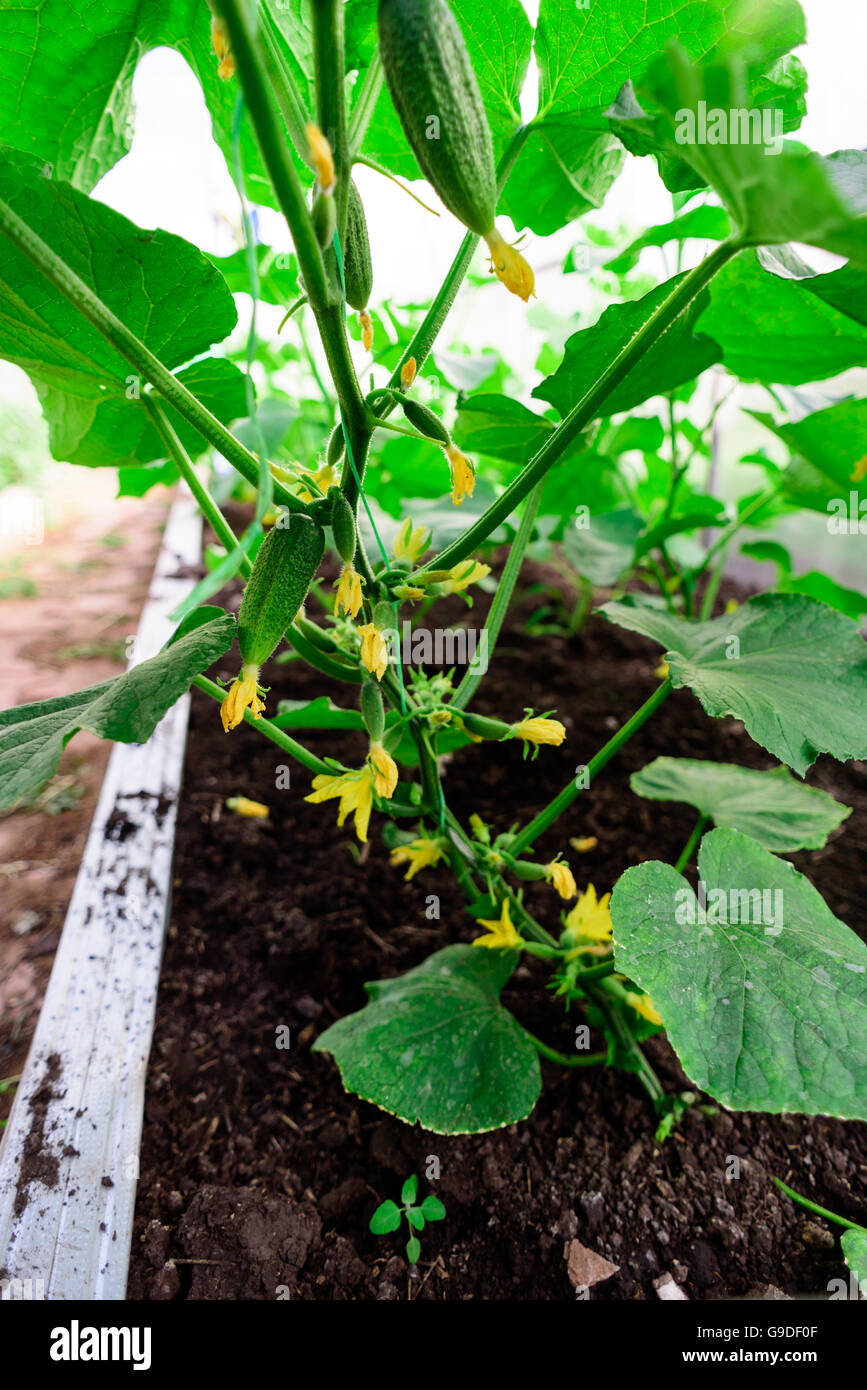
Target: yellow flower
[355, 790]
[584, 843]
[242, 806]
[463, 475]
[384, 770]
[408, 593]
[560, 875]
[374, 652]
[661, 671]
[243, 694]
[321, 156]
[502, 935]
[642, 1004]
[538, 730]
[463, 575]
[407, 373]
[859, 472]
[220, 45]
[509, 266]
[418, 854]
[411, 541]
[348, 591]
[589, 918]
[366, 324]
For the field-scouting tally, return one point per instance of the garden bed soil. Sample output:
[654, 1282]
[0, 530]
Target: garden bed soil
[259, 1174]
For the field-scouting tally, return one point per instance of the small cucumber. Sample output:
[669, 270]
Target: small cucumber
[357, 266]
[324, 219]
[372, 711]
[434, 89]
[342, 525]
[425, 421]
[288, 558]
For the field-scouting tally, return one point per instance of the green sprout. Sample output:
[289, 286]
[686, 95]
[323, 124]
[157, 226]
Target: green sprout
[387, 1216]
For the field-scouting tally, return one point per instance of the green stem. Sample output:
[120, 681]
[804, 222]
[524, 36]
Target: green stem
[588, 407]
[813, 1206]
[365, 105]
[726, 535]
[314, 656]
[328, 64]
[283, 83]
[689, 848]
[149, 367]
[472, 678]
[206, 504]
[270, 731]
[549, 814]
[590, 1059]
[713, 583]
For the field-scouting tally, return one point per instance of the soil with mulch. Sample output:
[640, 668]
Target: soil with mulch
[259, 1174]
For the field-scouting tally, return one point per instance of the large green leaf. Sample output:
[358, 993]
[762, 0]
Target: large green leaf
[785, 331]
[827, 447]
[775, 191]
[677, 356]
[703, 223]
[763, 993]
[160, 286]
[436, 1047]
[500, 426]
[68, 69]
[604, 549]
[776, 810]
[793, 670]
[126, 709]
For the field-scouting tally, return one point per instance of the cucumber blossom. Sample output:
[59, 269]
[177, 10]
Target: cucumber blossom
[357, 266]
[435, 92]
[288, 558]
[425, 421]
[342, 525]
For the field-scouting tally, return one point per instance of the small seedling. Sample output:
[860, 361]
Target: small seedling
[388, 1215]
[853, 1241]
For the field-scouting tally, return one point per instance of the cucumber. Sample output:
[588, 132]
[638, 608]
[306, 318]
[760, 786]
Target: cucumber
[324, 219]
[425, 421]
[342, 525]
[288, 558]
[357, 266]
[435, 92]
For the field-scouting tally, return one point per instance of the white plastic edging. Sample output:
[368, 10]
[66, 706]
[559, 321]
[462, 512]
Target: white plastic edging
[69, 1156]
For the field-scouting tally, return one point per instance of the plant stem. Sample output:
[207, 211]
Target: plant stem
[813, 1206]
[206, 504]
[588, 406]
[555, 808]
[283, 83]
[687, 852]
[148, 366]
[270, 731]
[472, 678]
[328, 63]
[726, 535]
[590, 1059]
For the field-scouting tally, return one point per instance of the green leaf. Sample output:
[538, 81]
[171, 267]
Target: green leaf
[386, 1218]
[677, 356]
[828, 446]
[320, 713]
[853, 1243]
[605, 549]
[277, 271]
[409, 1191]
[776, 810]
[500, 426]
[767, 1013]
[704, 223]
[126, 709]
[135, 482]
[67, 98]
[793, 670]
[435, 1046]
[413, 1250]
[160, 286]
[433, 1208]
[565, 168]
[785, 331]
[415, 1218]
[777, 191]
[820, 586]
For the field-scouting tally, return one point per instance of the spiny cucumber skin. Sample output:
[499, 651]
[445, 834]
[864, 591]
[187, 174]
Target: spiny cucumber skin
[357, 265]
[429, 73]
[288, 558]
[425, 421]
[343, 527]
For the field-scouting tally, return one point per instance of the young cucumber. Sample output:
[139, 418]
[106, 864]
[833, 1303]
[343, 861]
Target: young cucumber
[288, 558]
[357, 266]
[437, 97]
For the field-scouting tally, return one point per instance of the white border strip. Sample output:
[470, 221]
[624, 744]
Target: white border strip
[68, 1228]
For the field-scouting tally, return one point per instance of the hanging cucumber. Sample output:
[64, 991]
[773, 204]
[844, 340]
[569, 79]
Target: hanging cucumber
[357, 267]
[434, 89]
[288, 558]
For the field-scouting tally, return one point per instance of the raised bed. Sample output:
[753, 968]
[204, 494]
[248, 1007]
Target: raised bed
[69, 1157]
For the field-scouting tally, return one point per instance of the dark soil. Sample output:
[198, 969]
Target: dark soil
[259, 1173]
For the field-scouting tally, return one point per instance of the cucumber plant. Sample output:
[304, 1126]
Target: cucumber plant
[760, 988]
